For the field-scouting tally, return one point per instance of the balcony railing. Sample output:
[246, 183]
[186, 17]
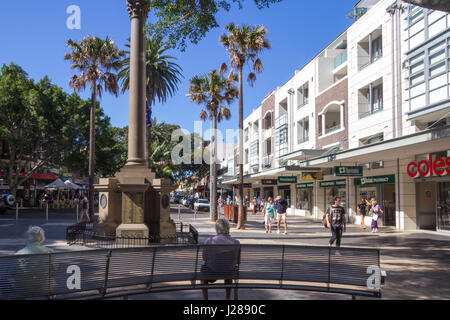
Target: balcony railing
[332, 129]
[303, 103]
[267, 161]
[340, 59]
[302, 140]
[281, 120]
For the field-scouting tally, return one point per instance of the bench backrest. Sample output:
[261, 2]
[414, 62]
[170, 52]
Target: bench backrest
[43, 275]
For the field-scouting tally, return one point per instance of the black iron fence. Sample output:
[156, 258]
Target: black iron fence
[84, 234]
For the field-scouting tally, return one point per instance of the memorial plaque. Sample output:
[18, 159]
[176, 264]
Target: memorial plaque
[132, 207]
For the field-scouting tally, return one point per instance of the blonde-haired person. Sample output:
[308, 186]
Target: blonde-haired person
[376, 213]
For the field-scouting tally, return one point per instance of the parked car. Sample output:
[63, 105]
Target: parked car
[6, 202]
[201, 205]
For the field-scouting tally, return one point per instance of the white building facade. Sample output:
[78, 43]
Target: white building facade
[376, 98]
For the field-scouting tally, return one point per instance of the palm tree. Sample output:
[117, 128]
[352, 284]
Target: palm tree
[94, 59]
[162, 77]
[244, 44]
[213, 90]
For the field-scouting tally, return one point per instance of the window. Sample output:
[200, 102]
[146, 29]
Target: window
[377, 51]
[246, 156]
[370, 99]
[246, 135]
[303, 95]
[303, 130]
[377, 96]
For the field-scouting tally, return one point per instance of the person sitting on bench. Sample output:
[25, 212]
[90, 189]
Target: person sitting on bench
[220, 261]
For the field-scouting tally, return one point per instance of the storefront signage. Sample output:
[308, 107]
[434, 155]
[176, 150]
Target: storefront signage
[312, 175]
[333, 183]
[269, 182]
[375, 180]
[287, 179]
[348, 171]
[308, 185]
[427, 168]
[245, 185]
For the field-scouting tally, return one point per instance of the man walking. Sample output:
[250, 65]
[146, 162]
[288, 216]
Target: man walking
[335, 217]
[280, 208]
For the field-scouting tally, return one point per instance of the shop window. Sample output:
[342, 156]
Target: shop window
[304, 199]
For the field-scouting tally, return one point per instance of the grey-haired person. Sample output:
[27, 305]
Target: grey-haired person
[220, 261]
[35, 237]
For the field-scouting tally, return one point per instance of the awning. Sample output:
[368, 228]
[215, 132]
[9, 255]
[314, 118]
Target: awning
[429, 141]
[302, 154]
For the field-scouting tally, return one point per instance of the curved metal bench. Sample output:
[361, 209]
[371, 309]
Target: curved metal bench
[100, 274]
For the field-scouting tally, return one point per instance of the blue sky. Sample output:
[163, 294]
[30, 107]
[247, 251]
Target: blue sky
[33, 35]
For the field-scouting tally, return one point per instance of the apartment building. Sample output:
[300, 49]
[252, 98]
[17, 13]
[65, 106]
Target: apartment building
[368, 116]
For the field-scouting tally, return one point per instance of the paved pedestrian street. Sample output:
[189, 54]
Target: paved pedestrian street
[417, 262]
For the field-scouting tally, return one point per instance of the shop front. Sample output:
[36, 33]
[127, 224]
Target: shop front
[268, 188]
[333, 189]
[285, 190]
[432, 180]
[304, 198]
[382, 189]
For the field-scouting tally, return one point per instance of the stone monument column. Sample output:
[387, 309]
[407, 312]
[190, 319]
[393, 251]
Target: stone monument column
[138, 10]
[134, 203]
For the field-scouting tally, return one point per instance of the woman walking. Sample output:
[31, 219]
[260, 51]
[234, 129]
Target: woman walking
[269, 212]
[376, 213]
[362, 209]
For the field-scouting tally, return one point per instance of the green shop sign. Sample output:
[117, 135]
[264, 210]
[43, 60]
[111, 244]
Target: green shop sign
[333, 183]
[375, 180]
[348, 171]
[287, 179]
[309, 185]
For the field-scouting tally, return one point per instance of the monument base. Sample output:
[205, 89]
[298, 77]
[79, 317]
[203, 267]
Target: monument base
[132, 234]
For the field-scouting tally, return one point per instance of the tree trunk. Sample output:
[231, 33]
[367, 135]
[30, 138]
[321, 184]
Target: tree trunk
[241, 222]
[214, 172]
[92, 154]
[442, 5]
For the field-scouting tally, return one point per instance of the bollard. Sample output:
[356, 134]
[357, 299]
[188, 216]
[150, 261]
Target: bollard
[46, 211]
[195, 213]
[77, 212]
[179, 212]
[17, 211]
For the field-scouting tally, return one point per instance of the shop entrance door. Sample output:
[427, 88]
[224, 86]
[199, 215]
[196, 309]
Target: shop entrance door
[443, 206]
[388, 205]
[426, 205]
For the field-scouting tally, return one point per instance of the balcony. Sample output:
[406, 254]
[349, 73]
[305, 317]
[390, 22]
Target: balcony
[340, 59]
[302, 140]
[267, 161]
[281, 121]
[303, 103]
[332, 129]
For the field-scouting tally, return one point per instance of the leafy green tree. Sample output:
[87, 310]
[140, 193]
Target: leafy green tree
[111, 142]
[190, 20]
[96, 60]
[31, 118]
[244, 44]
[213, 90]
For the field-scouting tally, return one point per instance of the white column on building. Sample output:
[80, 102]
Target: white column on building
[342, 115]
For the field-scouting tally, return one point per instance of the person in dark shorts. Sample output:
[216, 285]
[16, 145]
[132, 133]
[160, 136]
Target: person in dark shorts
[362, 209]
[335, 217]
